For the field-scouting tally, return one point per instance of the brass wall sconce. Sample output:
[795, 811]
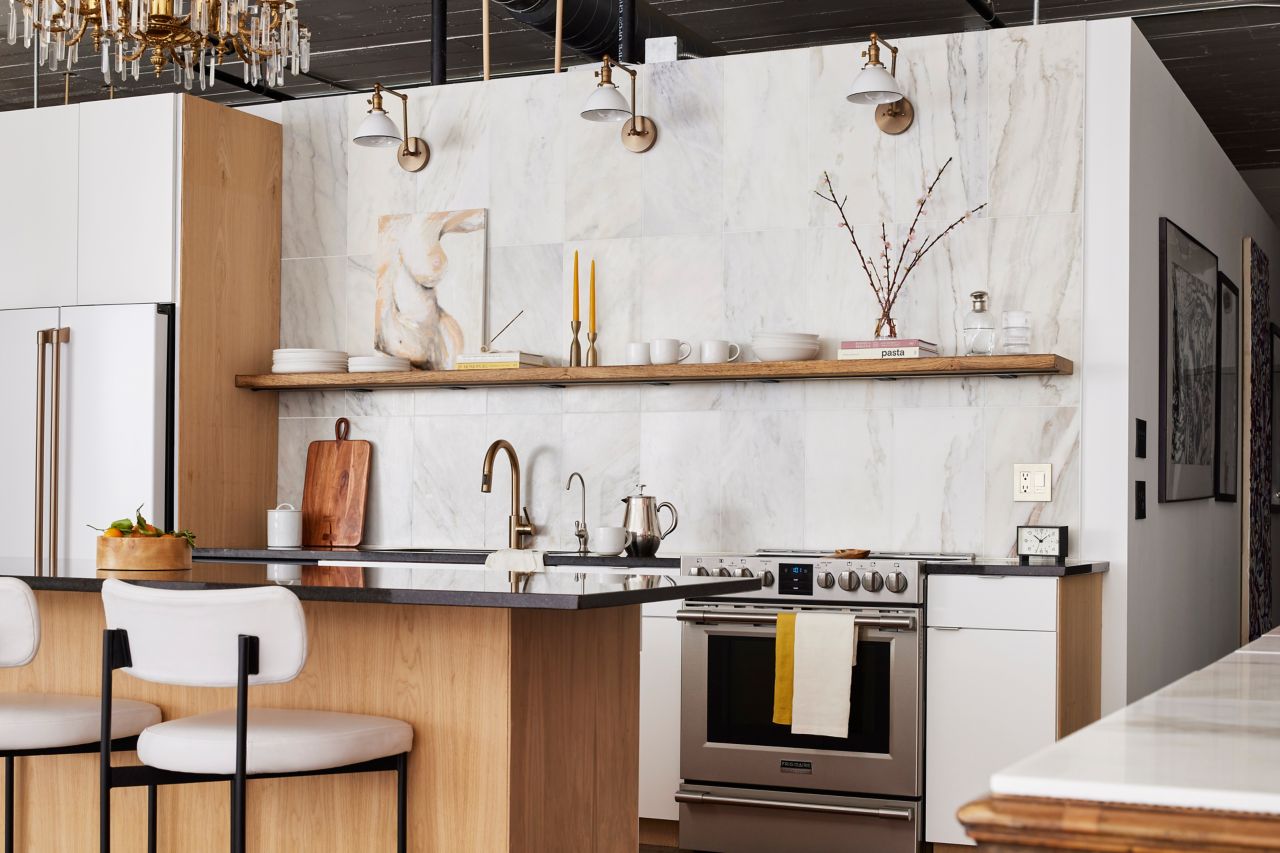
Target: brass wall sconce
[607, 104]
[379, 131]
[875, 85]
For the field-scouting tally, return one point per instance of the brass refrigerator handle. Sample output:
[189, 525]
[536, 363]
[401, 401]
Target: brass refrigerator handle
[695, 798]
[57, 338]
[43, 337]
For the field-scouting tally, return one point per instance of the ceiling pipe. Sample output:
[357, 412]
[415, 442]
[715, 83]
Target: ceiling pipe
[592, 27]
[439, 17]
[987, 12]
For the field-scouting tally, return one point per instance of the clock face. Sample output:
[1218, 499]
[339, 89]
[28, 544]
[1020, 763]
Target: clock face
[1039, 541]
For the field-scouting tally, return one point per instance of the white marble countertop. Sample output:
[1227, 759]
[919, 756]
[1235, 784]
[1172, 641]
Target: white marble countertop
[1208, 741]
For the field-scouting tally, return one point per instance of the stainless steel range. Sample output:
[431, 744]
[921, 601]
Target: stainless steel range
[750, 784]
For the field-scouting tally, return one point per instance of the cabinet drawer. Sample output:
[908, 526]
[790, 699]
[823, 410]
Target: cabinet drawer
[1002, 603]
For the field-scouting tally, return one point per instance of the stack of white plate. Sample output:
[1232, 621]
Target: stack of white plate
[377, 364]
[785, 346]
[308, 361]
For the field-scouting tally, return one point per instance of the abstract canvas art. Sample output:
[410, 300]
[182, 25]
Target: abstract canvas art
[430, 271]
[1188, 365]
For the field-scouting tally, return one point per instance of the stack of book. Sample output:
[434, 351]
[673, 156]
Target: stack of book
[887, 348]
[505, 360]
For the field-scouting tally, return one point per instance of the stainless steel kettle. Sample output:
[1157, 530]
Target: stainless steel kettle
[641, 521]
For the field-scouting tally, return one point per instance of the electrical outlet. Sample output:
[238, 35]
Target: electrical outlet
[1033, 482]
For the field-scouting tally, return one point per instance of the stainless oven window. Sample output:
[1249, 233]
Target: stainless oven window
[740, 675]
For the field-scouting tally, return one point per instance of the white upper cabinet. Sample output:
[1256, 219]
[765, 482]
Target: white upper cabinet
[39, 150]
[128, 215]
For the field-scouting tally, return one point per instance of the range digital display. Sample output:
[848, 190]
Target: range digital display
[795, 579]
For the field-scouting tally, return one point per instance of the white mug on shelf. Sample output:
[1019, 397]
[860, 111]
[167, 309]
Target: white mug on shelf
[637, 353]
[284, 527]
[610, 541]
[669, 351]
[719, 352]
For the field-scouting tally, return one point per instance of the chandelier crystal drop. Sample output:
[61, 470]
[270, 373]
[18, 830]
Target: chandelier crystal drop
[192, 37]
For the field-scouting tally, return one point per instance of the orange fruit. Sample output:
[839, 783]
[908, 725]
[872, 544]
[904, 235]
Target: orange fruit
[112, 533]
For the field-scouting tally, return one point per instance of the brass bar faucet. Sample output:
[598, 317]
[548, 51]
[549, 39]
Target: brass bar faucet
[580, 527]
[519, 527]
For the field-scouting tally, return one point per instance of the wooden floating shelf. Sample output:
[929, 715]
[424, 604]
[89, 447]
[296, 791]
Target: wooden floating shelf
[663, 374]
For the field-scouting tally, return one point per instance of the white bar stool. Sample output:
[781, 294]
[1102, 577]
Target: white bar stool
[232, 638]
[50, 723]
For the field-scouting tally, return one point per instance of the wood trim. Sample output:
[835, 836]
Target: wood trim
[1079, 652]
[906, 368]
[1025, 824]
[659, 833]
[228, 321]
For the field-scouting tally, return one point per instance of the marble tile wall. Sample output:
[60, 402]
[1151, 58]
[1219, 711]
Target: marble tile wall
[717, 233]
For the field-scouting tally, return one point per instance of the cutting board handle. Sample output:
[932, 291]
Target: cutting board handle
[342, 428]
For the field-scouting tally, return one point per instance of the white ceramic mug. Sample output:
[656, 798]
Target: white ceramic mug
[637, 352]
[284, 527]
[669, 351]
[610, 541]
[719, 352]
[287, 574]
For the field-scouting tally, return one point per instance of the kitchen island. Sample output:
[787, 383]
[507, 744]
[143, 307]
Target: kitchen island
[1193, 766]
[525, 709]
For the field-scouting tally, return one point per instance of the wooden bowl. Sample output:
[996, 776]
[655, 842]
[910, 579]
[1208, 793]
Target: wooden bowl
[143, 554]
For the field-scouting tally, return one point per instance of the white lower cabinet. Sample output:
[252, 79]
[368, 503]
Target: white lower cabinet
[659, 716]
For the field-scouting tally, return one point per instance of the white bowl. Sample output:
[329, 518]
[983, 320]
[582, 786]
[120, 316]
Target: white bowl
[785, 352]
[309, 353]
[788, 336]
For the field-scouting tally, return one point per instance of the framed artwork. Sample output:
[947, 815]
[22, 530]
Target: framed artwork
[1226, 444]
[430, 270]
[1188, 371]
[1275, 419]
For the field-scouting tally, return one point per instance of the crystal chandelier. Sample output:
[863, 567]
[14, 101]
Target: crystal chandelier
[192, 37]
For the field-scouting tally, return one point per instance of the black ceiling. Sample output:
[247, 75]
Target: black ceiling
[1227, 61]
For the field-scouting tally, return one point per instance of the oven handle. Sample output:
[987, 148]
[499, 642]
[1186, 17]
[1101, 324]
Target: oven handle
[707, 617]
[821, 808]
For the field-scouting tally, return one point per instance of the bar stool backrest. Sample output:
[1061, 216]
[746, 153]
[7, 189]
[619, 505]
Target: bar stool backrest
[190, 637]
[19, 623]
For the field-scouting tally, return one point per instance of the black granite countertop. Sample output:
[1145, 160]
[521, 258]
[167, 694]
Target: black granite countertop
[561, 589]
[407, 555]
[1011, 568]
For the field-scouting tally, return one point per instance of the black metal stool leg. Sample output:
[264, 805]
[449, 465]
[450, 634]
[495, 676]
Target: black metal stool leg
[402, 799]
[151, 819]
[238, 844]
[8, 804]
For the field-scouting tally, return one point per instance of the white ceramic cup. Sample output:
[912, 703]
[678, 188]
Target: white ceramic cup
[287, 574]
[637, 352]
[719, 352]
[669, 351]
[610, 541]
[284, 527]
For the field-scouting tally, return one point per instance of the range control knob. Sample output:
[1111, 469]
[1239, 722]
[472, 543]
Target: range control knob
[849, 581]
[766, 579]
[701, 571]
[896, 582]
[725, 573]
[872, 581]
[826, 580]
[745, 573]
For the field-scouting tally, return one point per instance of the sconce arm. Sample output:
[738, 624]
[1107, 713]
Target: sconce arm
[610, 62]
[410, 142]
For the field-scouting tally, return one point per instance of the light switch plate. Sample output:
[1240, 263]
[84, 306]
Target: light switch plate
[1033, 482]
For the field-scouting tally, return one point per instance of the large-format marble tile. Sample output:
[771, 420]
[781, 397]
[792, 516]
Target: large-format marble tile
[938, 462]
[526, 160]
[1036, 137]
[388, 514]
[1030, 434]
[825, 395]
[766, 179]
[528, 279]
[848, 479]
[383, 403]
[762, 488]
[314, 188]
[935, 296]
[586, 399]
[526, 401]
[764, 283]
[539, 442]
[682, 176]
[605, 449]
[313, 404]
[840, 304]
[313, 308]
[682, 289]
[361, 304]
[296, 434]
[451, 401]
[448, 506]
[604, 191]
[845, 142]
[681, 461]
[623, 281]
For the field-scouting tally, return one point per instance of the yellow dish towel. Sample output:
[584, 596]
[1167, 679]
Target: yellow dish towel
[784, 668]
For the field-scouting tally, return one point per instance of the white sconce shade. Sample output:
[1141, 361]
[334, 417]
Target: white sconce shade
[606, 103]
[377, 131]
[875, 85]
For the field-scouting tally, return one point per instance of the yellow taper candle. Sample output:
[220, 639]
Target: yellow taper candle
[592, 297]
[575, 286]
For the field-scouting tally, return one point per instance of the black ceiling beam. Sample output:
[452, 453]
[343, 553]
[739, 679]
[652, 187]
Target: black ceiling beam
[987, 13]
[261, 89]
[439, 12]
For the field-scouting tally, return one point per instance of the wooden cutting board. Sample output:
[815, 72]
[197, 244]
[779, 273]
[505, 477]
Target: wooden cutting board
[336, 490]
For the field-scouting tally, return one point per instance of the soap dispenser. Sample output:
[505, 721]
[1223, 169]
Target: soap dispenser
[979, 327]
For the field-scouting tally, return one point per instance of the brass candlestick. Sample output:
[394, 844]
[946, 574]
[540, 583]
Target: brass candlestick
[593, 358]
[575, 348]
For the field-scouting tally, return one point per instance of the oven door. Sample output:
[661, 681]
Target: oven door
[727, 734]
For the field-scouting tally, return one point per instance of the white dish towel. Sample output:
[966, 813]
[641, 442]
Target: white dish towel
[511, 560]
[826, 647]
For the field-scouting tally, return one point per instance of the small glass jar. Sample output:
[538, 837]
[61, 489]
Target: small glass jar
[1017, 332]
[979, 327]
